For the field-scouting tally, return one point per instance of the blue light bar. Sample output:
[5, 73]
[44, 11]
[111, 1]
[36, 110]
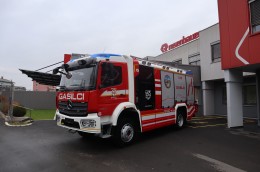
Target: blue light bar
[104, 55]
[189, 72]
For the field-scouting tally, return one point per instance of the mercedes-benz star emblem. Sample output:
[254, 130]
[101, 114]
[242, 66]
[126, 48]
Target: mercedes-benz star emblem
[69, 105]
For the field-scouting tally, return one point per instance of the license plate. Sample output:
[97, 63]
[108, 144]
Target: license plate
[69, 121]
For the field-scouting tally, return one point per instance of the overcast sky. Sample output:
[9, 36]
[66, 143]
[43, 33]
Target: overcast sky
[37, 33]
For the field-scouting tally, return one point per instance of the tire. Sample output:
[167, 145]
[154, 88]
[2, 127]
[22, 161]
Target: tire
[180, 120]
[85, 135]
[125, 132]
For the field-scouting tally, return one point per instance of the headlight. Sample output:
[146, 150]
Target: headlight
[88, 123]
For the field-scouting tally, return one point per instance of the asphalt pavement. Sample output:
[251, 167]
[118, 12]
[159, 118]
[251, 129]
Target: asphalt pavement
[203, 145]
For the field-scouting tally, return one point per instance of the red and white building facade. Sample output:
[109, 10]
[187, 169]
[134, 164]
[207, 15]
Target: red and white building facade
[240, 46]
[228, 54]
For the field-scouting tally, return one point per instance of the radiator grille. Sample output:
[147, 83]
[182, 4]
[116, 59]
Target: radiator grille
[75, 108]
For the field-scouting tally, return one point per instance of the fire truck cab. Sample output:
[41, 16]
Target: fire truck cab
[120, 96]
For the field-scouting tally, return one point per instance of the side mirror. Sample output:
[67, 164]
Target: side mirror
[65, 67]
[68, 75]
[55, 71]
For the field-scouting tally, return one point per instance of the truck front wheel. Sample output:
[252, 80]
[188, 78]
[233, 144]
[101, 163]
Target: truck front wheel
[125, 132]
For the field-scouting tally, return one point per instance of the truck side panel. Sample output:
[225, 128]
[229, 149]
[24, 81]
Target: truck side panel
[167, 89]
[180, 87]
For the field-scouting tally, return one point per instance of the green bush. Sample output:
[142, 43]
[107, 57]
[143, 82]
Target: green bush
[19, 111]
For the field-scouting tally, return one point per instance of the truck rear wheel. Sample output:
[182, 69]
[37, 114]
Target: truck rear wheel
[180, 119]
[125, 132]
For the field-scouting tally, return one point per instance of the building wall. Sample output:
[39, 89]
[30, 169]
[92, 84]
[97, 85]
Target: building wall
[181, 52]
[209, 70]
[40, 87]
[234, 18]
[210, 96]
[220, 106]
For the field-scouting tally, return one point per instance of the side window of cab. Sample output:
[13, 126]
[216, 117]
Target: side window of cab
[111, 75]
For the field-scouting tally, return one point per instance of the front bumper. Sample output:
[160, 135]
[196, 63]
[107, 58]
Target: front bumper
[89, 124]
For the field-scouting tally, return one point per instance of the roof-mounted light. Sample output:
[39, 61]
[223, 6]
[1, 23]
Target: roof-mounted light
[189, 72]
[104, 55]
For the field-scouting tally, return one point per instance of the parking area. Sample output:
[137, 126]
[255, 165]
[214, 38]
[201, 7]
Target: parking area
[204, 145]
[207, 121]
[214, 120]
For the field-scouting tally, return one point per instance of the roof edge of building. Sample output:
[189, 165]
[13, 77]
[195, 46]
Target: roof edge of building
[209, 27]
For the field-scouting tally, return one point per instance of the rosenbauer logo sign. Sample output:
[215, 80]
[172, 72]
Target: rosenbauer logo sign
[165, 47]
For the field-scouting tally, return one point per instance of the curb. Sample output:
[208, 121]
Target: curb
[17, 125]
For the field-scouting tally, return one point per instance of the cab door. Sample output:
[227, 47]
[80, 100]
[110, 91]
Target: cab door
[112, 86]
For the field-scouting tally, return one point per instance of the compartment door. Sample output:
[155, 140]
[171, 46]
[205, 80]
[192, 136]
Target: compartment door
[180, 87]
[145, 88]
[167, 89]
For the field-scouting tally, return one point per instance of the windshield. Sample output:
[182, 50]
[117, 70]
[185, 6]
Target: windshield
[82, 79]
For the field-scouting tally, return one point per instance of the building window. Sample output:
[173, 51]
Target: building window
[215, 52]
[254, 6]
[179, 61]
[194, 59]
[249, 94]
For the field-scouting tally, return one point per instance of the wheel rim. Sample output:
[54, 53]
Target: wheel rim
[180, 120]
[127, 133]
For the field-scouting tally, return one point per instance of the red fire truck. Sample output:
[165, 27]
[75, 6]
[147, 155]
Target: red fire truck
[120, 96]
